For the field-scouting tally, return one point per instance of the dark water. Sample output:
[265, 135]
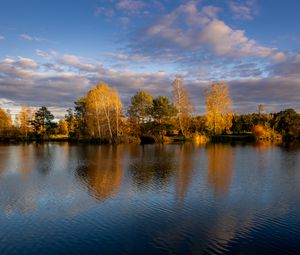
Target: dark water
[172, 199]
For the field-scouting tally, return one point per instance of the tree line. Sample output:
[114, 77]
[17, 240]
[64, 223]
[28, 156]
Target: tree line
[99, 116]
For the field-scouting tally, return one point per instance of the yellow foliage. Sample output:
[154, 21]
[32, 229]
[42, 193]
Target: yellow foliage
[103, 105]
[5, 122]
[63, 127]
[23, 119]
[200, 139]
[218, 108]
[265, 133]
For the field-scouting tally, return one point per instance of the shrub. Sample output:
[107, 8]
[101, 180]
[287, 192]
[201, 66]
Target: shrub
[265, 133]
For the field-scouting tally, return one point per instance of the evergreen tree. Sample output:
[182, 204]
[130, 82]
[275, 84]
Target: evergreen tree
[43, 124]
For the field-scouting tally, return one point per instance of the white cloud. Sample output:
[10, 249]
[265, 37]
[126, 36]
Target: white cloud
[297, 58]
[27, 63]
[75, 61]
[44, 54]
[192, 29]
[107, 12]
[130, 5]
[125, 21]
[268, 91]
[128, 57]
[287, 68]
[53, 67]
[28, 37]
[245, 10]
[280, 56]
[2, 37]
[20, 65]
[61, 88]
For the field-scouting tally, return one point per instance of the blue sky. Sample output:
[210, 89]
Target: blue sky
[53, 52]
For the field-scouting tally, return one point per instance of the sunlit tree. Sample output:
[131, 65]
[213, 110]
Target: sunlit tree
[104, 107]
[62, 127]
[116, 109]
[183, 104]
[5, 123]
[218, 108]
[24, 117]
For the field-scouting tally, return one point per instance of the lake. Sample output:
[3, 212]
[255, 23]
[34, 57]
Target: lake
[57, 198]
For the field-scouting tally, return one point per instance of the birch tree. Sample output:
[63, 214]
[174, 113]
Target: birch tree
[24, 117]
[103, 106]
[183, 104]
[116, 110]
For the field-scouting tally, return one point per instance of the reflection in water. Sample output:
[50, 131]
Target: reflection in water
[290, 162]
[184, 169]
[4, 158]
[26, 159]
[152, 165]
[48, 205]
[44, 158]
[220, 164]
[103, 171]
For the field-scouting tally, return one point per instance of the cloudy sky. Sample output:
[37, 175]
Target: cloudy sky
[53, 52]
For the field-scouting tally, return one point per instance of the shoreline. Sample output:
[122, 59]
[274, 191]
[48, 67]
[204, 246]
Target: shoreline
[231, 138]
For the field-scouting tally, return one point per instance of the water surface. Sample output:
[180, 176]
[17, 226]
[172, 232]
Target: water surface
[153, 199]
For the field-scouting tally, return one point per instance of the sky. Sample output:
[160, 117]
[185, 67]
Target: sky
[53, 52]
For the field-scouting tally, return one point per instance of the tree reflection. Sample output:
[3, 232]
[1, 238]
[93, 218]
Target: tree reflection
[43, 157]
[152, 165]
[102, 171]
[220, 164]
[184, 169]
[4, 158]
[26, 159]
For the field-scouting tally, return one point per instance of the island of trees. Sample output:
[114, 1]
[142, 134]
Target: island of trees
[99, 116]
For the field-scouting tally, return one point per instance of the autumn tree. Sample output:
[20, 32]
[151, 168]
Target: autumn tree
[244, 123]
[117, 105]
[218, 108]
[183, 105]
[62, 127]
[287, 123]
[5, 123]
[42, 123]
[24, 118]
[104, 107]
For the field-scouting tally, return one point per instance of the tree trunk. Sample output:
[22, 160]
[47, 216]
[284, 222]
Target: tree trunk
[179, 110]
[117, 116]
[108, 119]
[97, 117]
